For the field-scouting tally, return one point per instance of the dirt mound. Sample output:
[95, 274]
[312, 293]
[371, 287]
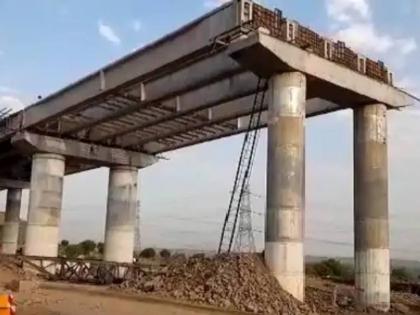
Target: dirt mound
[239, 282]
[328, 297]
[9, 265]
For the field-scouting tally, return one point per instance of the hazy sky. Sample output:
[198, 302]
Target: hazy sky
[51, 43]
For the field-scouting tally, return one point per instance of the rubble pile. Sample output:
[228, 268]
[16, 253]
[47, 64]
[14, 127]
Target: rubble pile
[242, 282]
[239, 282]
[331, 298]
[11, 265]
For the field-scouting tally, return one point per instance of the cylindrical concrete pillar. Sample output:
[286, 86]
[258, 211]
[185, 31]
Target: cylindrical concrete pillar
[45, 200]
[371, 230]
[284, 229]
[12, 221]
[121, 214]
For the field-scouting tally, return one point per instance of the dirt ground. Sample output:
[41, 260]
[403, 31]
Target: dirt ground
[39, 301]
[78, 300]
[65, 299]
[320, 292]
[58, 302]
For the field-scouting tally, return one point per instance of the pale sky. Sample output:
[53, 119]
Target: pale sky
[184, 198]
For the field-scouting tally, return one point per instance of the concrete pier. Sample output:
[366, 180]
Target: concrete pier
[121, 214]
[45, 201]
[12, 221]
[286, 181]
[371, 229]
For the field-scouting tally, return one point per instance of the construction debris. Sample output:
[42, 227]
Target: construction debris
[239, 282]
[242, 282]
[236, 282]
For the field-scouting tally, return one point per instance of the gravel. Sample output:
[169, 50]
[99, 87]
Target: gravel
[239, 282]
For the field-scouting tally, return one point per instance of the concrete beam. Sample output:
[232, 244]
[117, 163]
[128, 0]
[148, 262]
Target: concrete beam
[239, 108]
[225, 90]
[266, 55]
[6, 183]
[30, 143]
[182, 91]
[142, 65]
[313, 108]
[162, 90]
[216, 115]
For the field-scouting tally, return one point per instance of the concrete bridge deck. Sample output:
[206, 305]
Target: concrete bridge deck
[189, 87]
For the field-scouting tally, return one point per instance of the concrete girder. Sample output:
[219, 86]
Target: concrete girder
[228, 89]
[239, 108]
[155, 147]
[164, 89]
[139, 66]
[222, 113]
[266, 55]
[314, 106]
[163, 92]
[6, 183]
[30, 143]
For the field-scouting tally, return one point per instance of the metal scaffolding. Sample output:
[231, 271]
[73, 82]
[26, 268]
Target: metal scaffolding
[243, 171]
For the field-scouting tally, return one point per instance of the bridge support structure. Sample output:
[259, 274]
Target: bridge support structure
[45, 202]
[46, 188]
[121, 214]
[11, 226]
[286, 181]
[371, 227]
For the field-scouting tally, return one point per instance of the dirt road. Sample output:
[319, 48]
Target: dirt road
[59, 302]
[77, 300]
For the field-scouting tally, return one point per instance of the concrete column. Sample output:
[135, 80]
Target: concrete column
[371, 229]
[12, 221]
[286, 181]
[121, 214]
[45, 200]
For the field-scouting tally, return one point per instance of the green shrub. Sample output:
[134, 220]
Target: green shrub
[100, 247]
[148, 253]
[73, 251]
[400, 274]
[164, 253]
[331, 268]
[87, 247]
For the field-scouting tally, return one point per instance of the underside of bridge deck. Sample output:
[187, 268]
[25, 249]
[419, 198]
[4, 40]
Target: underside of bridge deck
[192, 86]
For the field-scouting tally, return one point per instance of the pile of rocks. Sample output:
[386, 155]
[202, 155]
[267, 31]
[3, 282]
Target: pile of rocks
[8, 263]
[328, 297]
[239, 282]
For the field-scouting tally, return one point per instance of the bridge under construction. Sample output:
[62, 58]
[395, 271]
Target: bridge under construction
[195, 85]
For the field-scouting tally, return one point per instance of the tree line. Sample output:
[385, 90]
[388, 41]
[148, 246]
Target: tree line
[94, 250]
